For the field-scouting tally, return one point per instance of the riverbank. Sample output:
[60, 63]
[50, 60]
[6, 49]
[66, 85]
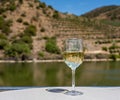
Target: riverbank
[56, 60]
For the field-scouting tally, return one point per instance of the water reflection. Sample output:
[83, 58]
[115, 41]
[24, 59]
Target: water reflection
[58, 74]
[14, 74]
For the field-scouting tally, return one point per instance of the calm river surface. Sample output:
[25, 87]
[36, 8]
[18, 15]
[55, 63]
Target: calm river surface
[58, 74]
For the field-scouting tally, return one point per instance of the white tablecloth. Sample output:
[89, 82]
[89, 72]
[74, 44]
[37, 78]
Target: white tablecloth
[89, 93]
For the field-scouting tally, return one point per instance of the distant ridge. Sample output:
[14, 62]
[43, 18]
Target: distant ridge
[107, 11]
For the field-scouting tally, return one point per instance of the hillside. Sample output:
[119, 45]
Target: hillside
[30, 29]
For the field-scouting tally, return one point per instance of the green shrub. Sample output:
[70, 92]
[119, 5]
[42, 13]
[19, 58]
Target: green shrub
[31, 30]
[6, 30]
[41, 54]
[5, 25]
[3, 43]
[45, 37]
[8, 22]
[104, 48]
[50, 6]
[56, 14]
[4, 16]
[113, 47]
[20, 20]
[42, 29]
[17, 50]
[23, 15]
[2, 10]
[12, 7]
[24, 39]
[42, 5]
[113, 57]
[2, 21]
[17, 41]
[30, 5]
[36, 1]
[3, 36]
[51, 46]
[20, 1]
[25, 23]
[27, 39]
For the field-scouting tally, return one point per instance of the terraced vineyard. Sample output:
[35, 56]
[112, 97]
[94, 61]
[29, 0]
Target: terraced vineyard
[100, 43]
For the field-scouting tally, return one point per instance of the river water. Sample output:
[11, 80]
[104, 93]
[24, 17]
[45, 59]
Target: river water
[58, 74]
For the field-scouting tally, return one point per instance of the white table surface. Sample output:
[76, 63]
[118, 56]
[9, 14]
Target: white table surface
[89, 93]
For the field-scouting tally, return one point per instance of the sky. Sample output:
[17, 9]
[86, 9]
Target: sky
[79, 7]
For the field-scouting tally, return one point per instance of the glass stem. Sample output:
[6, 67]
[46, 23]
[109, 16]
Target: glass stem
[73, 79]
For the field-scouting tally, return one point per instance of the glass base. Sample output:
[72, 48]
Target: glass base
[73, 93]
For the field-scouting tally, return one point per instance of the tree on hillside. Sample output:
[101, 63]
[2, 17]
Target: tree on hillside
[17, 50]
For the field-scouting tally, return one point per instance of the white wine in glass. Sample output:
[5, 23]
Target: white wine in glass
[73, 56]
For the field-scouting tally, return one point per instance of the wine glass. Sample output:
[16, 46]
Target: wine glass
[73, 56]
